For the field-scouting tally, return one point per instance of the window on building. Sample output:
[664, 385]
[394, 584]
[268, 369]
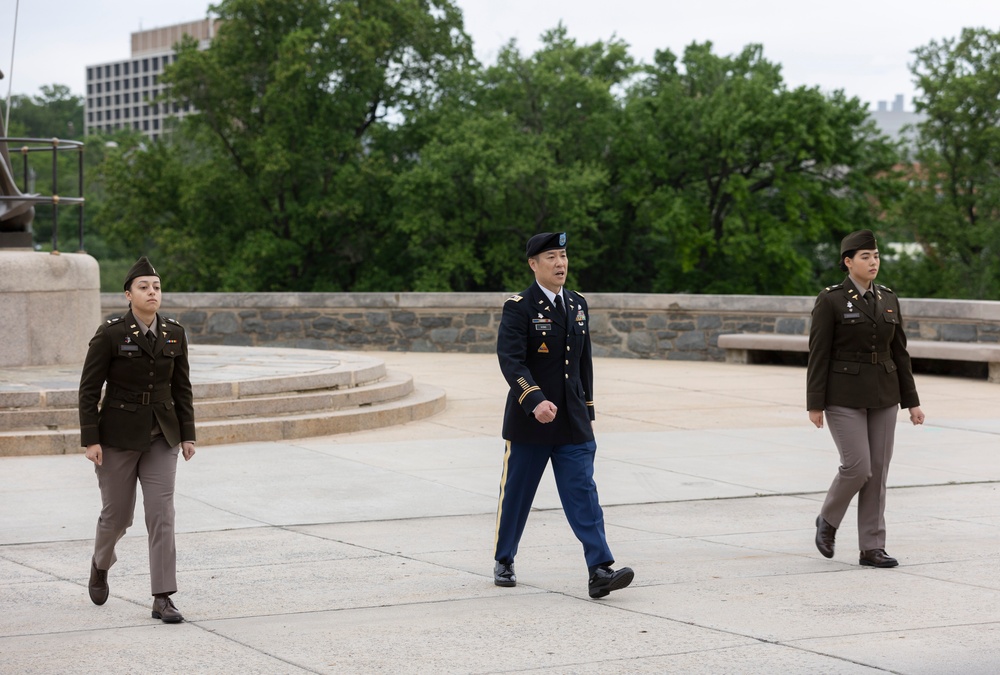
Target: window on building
[145, 111]
[135, 125]
[145, 80]
[126, 113]
[118, 116]
[156, 79]
[107, 70]
[156, 108]
[90, 89]
[156, 63]
[118, 99]
[107, 127]
[126, 65]
[135, 111]
[135, 97]
[145, 65]
[125, 83]
[145, 125]
[90, 73]
[90, 117]
[118, 85]
[98, 87]
[98, 115]
[156, 124]
[107, 100]
[118, 70]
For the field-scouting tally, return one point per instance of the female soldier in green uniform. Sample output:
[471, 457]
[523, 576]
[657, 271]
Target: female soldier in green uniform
[859, 375]
[147, 416]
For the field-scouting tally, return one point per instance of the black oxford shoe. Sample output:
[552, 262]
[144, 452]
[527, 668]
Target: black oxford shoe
[604, 580]
[165, 610]
[877, 557]
[98, 585]
[825, 536]
[503, 574]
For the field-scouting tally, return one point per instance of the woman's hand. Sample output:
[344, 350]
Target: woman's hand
[816, 417]
[187, 449]
[916, 415]
[95, 454]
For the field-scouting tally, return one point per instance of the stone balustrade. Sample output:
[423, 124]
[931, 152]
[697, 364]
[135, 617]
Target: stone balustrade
[653, 326]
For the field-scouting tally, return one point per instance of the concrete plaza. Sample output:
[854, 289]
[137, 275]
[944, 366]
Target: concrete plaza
[372, 552]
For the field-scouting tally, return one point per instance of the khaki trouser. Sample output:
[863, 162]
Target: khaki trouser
[864, 438]
[155, 470]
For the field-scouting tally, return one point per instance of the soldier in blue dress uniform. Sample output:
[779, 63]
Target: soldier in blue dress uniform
[545, 355]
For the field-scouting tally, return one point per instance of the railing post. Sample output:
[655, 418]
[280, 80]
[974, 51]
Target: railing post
[80, 207]
[55, 195]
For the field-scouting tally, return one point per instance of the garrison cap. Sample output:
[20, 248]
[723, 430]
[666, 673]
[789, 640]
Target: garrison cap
[862, 239]
[545, 241]
[141, 268]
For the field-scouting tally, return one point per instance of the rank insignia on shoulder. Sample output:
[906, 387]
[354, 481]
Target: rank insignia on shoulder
[114, 320]
[173, 321]
[580, 294]
[515, 298]
[543, 349]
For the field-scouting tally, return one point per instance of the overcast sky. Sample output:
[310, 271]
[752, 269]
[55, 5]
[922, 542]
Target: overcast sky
[862, 47]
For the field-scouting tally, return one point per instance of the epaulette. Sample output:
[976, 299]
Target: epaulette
[515, 298]
[886, 288]
[174, 321]
[832, 288]
[114, 320]
[580, 294]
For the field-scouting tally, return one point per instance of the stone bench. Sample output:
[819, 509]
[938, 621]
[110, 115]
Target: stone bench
[738, 347]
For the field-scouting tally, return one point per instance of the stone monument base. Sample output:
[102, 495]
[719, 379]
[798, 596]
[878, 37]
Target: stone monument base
[50, 306]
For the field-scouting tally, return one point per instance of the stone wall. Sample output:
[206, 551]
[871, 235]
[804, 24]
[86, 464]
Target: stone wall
[682, 327]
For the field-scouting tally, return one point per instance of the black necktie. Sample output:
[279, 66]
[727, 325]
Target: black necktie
[559, 306]
[869, 298]
[151, 339]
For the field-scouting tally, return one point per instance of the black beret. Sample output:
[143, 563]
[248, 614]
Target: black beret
[141, 268]
[862, 239]
[545, 241]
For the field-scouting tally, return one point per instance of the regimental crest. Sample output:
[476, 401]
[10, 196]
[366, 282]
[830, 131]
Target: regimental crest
[562, 239]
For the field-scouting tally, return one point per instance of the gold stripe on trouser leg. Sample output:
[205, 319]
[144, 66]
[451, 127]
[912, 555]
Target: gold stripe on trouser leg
[503, 486]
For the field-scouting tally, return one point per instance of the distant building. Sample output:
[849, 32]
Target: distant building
[124, 94]
[892, 120]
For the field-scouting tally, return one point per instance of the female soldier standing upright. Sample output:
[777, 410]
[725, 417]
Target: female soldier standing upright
[146, 417]
[858, 375]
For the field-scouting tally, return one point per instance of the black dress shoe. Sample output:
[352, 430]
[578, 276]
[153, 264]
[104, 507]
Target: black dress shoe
[98, 585]
[165, 610]
[503, 574]
[877, 557]
[825, 535]
[604, 580]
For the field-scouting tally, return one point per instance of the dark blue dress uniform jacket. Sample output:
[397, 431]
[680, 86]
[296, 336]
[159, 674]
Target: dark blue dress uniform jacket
[142, 383]
[546, 356]
[857, 353]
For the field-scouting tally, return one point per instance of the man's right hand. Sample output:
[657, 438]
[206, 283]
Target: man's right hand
[545, 412]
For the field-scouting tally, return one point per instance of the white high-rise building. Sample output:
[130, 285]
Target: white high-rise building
[127, 94]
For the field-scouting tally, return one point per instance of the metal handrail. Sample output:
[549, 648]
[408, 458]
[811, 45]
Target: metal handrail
[53, 145]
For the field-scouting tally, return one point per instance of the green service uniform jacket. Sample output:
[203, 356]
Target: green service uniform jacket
[144, 385]
[857, 352]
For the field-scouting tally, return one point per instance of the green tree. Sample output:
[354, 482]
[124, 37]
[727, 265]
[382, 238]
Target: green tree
[277, 184]
[516, 148]
[732, 183]
[953, 207]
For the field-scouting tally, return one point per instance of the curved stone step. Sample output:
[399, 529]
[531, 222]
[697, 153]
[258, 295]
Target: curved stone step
[241, 394]
[392, 386]
[422, 402]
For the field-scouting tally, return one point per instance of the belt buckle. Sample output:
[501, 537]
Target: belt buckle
[874, 358]
[145, 398]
